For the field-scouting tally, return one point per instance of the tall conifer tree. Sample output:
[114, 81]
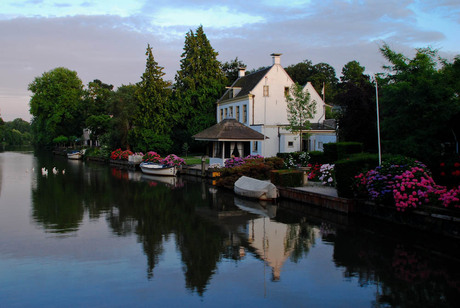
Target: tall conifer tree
[199, 83]
[153, 118]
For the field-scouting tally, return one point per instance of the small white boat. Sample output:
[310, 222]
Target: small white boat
[253, 188]
[75, 155]
[158, 169]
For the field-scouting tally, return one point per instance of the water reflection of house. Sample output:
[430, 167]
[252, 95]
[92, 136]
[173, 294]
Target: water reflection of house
[272, 241]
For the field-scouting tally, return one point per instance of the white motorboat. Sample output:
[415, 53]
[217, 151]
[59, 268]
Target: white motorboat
[253, 188]
[158, 169]
[75, 155]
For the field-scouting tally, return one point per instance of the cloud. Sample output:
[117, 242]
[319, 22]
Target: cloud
[108, 42]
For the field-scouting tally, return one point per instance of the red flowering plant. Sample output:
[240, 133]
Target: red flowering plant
[152, 157]
[116, 154]
[172, 160]
[125, 154]
[314, 172]
[449, 172]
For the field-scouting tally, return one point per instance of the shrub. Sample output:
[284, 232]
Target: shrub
[341, 150]
[408, 185]
[295, 159]
[287, 178]
[346, 169]
[314, 173]
[317, 157]
[327, 175]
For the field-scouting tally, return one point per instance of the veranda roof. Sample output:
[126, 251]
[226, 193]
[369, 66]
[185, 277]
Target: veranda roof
[229, 130]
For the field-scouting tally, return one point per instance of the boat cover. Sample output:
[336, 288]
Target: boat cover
[253, 188]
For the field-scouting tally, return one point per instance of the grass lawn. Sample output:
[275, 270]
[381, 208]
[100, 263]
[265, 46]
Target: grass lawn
[194, 160]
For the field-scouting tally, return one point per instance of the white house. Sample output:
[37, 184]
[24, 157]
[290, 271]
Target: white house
[258, 101]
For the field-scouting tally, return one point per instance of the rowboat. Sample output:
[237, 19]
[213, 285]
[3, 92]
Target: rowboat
[253, 188]
[158, 169]
[75, 155]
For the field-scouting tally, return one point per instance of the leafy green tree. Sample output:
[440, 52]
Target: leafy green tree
[321, 75]
[231, 69]
[152, 124]
[418, 102]
[96, 108]
[301, 72]
[199, 83]
[356, 97]
[56, 105]
[300, 109]
[123, 104]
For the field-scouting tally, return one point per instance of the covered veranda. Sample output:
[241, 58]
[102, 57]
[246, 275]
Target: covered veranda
[228, 138]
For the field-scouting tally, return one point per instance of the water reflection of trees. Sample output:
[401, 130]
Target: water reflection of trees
[208, 227]
[404, 275]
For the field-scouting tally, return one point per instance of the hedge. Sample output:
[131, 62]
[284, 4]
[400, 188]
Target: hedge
[346, 169]
[286, 178]
[341, 150]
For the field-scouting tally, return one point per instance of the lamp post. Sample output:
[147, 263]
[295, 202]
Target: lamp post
[378, 118]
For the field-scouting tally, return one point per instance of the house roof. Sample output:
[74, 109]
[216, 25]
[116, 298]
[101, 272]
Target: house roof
[229, 129]
[328, 124]
[246, 84]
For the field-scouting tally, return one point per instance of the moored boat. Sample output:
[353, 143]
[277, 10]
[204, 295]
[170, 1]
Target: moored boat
[158, 169]
[75, 155]
[253, 188]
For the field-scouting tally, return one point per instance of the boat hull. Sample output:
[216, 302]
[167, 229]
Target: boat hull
[77, 155]
[257, 189]
[157, 169]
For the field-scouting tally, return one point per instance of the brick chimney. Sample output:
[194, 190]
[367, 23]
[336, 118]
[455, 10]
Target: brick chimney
[276, 58]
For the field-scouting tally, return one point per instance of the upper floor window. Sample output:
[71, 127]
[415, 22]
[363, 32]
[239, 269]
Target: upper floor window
[245, 113]
[286, 91]
[237, 113]
[226, 113]
[221, 114]
[266, 91]
[230, 112]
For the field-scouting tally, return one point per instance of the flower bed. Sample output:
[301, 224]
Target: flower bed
[408, 186]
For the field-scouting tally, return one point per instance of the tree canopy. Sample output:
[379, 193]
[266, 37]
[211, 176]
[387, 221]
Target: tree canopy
[419, 99]
[152, 124]
[356, 98]
[300, 109]
[56, 105]
[199, 83]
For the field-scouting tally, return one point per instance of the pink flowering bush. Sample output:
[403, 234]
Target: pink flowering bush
[406, 185]
[239, 161]
[172, 160]
[152, 157]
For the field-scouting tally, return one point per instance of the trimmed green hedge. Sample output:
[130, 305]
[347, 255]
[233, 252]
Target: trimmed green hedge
[340, 150]
[346, 170]
[317, 157]
[287, 178]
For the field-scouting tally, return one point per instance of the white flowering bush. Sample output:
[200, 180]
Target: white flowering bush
[327, 174]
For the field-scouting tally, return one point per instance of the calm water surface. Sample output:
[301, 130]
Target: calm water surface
[98, 236]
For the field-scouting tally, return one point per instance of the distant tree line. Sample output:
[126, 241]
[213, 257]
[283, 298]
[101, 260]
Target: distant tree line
[16, 132]
[419, 102]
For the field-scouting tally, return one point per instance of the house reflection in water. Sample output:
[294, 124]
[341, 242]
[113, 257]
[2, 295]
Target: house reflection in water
[271, 241]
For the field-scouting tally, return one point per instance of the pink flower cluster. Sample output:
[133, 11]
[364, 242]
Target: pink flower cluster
[172, 160]
[409, 187]
[239, 161]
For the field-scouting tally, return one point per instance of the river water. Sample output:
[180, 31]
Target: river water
[98, 236]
